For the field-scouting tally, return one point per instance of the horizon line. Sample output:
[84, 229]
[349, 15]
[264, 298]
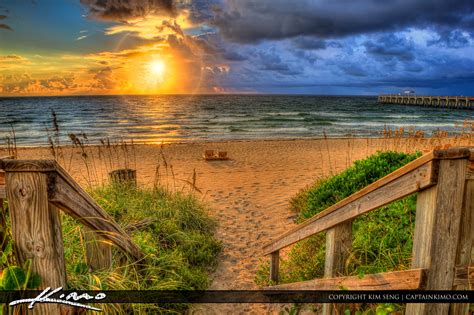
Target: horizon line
[194, 94]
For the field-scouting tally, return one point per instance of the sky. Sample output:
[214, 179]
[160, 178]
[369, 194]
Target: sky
[338, 47]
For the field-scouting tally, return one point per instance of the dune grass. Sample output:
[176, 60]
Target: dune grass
[178, 241]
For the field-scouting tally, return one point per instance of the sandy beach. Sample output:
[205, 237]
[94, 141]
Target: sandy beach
[247, 194]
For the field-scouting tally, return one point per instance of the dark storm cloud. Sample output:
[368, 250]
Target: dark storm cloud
[308, 43]
[451, 39]
[201, 11]
[255, 20]
[391, 46]
[272, 62]
[305, 55]
[122, 10]
[232, 55]
[354, 70]
[413, 67]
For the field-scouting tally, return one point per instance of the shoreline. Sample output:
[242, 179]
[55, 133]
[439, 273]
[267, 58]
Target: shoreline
[199, 141]
[202, 141]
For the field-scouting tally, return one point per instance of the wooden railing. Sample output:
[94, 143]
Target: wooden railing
[36, 191]
[443, 236]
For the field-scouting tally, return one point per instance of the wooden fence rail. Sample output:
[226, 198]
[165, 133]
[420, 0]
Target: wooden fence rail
[36, 191]
[443, 237]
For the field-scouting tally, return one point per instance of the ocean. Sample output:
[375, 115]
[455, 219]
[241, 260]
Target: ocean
[183, 118]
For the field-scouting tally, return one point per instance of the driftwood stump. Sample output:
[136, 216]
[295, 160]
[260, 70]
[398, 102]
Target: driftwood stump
[124, 176]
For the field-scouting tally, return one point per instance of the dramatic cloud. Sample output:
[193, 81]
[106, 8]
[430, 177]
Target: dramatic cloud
[254, 20]
[305, 55]
[451, 39]
[309, 43]
[390, 46]
[275, 46]
[174, 33]
[413, 67]
[233, 55]
[272, 62]
[353, 69]
[123, 10]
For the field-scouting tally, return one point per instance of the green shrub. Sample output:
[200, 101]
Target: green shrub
[364, 172]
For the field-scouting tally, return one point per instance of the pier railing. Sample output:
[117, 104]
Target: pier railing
[443, 236]
[460, 102]
[37, 190]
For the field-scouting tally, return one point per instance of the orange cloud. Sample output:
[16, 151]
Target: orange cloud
[193, 65]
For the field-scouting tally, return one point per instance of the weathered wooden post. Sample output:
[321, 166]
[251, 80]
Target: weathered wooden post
[274, 266]
[124, 176]
[36, 231]
[338, 246]
[34, 189]
[464, 254]
[444, 230]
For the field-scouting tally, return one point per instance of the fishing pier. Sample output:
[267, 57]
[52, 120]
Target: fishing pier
[459, 102]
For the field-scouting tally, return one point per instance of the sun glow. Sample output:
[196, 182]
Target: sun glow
[157, 68]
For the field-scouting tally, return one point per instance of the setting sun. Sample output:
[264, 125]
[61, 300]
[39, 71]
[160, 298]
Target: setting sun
[157, 68]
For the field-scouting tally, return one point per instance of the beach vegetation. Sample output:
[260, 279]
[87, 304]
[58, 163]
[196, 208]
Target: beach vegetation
[173, 229]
